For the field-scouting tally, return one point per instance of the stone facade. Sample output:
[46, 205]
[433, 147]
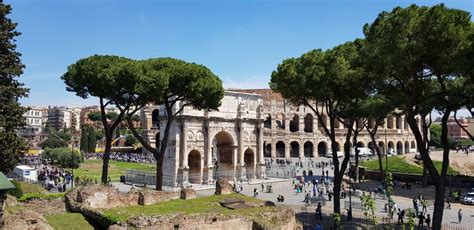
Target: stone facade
[204, 145]
[248, 127]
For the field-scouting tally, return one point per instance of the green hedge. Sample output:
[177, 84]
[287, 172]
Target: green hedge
[33, 196]
[17, 192]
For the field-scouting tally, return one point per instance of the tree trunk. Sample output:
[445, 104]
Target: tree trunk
[438, 205]
[379, 154]
[356, 155]
[105, 159]
[161, 155]
[337, 194]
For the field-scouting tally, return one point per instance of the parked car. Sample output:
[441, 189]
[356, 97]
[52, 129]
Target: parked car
[468, 198]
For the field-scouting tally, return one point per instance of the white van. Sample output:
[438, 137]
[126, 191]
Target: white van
[362, 151]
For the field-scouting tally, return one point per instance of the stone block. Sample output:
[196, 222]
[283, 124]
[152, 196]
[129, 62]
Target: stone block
[223, 187]
[187, 194]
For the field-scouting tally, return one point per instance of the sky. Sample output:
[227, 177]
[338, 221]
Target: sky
[242, 42]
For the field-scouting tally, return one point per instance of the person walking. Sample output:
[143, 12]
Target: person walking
[319, 211]
[421, 220]
[460, 215]
[428, 221]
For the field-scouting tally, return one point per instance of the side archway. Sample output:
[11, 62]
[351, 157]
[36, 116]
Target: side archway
[195, 166]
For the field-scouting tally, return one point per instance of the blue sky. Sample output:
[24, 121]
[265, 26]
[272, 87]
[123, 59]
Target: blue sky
[240, 41]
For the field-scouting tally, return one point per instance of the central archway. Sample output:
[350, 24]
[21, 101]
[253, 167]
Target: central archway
[223, 154]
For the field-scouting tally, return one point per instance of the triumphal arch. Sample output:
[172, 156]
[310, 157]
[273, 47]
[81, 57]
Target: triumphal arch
[206, 145]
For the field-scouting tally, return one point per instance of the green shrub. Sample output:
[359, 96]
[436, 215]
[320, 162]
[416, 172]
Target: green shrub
[17, 192]
[110, 219]
[33, 196]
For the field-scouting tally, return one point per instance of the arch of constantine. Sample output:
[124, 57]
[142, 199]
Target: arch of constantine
[250, 126]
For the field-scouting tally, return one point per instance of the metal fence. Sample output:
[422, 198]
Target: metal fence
[283, 172]
[146, 178]
[359, 221]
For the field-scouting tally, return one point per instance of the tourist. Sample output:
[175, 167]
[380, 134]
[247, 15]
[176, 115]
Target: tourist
[318, 227]
[255, 192]
[421, 220]
[263, 186]
[319, 212]
[428, 221]
[460, 215]
[399, 214]
[424, 204]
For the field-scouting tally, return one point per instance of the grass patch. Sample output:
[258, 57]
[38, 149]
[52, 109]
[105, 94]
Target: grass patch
[92, 169]
[68, 221]
[395, 164]
[400, 165]
[32, 188]
[204, 205]
[33, 196]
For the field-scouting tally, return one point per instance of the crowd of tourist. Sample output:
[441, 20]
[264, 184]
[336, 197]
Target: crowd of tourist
[124, 156]
[53, 178]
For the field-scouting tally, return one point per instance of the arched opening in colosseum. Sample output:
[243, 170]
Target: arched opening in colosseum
[399, 147]
[280, 121]
[280, 149]
[407, 147]
[295, 123]
[295, 149]
[360, 144]
[224, 146]
[389, 122]
[371, 123]
[382, 147]
[399, 122]
[324, 121]
[322, 148]
[413, 145]
[308, 123]
[371, 146]
[308, 149]
[194, 163]
[155, 118]
[391, 147]
[267, 149]
[268, 122]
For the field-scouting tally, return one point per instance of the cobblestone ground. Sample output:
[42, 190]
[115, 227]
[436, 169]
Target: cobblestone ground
[403, 198]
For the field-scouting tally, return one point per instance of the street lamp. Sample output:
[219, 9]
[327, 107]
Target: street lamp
[386, 150]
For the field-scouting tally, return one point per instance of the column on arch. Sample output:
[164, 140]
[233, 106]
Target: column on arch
[260, 143]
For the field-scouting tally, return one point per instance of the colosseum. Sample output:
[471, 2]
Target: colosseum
[250, 126]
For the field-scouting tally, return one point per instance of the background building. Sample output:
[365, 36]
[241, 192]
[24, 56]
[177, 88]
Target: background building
[455, 132]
